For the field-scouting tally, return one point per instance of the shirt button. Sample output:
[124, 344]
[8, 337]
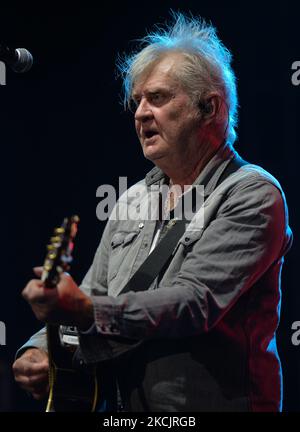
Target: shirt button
[141, 225]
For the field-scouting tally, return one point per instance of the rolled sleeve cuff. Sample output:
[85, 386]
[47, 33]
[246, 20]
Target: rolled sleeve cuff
[107, 315]
[102, 341]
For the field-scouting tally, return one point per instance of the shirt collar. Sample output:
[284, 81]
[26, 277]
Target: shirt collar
[209, 175]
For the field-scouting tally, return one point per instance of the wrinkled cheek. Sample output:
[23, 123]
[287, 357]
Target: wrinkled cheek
[175, 115]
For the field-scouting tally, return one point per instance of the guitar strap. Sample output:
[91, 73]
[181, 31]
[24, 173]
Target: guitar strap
[160, 256]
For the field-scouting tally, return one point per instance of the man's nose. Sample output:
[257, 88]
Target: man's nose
[143, 111]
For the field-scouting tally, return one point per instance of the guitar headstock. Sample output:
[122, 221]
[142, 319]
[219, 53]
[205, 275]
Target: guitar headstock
[59, 256]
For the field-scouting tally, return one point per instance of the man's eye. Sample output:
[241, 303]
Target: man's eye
[156, 97]
[160, 99]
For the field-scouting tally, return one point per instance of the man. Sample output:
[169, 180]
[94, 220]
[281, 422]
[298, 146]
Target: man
[204, 331]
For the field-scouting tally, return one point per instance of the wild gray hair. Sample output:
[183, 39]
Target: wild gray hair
[207, 66]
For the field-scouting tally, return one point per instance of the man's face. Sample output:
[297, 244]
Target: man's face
[166, 122]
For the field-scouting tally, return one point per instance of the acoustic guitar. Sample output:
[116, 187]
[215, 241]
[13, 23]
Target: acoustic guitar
[71, 388]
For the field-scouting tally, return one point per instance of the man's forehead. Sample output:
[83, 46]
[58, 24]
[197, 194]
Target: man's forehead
[153, 86]
[161, 75]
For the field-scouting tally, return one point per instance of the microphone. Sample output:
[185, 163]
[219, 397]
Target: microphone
[19, 59]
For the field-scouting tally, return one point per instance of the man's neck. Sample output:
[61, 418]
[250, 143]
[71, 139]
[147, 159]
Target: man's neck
[188, 173]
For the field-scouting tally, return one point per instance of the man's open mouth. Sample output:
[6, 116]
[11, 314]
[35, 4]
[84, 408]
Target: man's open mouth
[150, 134]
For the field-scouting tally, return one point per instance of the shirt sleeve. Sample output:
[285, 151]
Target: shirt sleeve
[37, 340]
[247, 236]
[95, 280]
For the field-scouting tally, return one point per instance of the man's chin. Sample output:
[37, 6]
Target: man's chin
[151, 150]
[153, 155]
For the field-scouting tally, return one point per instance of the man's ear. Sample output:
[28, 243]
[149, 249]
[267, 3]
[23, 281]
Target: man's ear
[210, 107]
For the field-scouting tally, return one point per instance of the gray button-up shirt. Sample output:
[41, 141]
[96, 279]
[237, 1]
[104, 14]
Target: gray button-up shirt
[208, 330]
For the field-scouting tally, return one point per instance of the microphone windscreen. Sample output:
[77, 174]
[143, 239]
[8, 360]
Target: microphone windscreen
[24, 61]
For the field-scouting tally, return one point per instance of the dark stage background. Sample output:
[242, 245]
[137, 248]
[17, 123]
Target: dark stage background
[64, 133]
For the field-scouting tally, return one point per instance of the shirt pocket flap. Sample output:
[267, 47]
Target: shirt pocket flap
[191, 237]
[121, 243]
[129, 237]
[117, 239]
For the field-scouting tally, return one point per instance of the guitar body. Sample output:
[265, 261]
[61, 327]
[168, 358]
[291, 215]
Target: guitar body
[71, 388]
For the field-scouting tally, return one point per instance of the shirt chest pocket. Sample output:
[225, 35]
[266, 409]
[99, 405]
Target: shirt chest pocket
[120, 246]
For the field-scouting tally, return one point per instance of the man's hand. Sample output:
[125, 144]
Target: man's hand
[31, 372]
[63, 304]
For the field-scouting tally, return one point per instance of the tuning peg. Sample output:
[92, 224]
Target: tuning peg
[55, 239]
[60, 230]
[52, 256]
[50, 247]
